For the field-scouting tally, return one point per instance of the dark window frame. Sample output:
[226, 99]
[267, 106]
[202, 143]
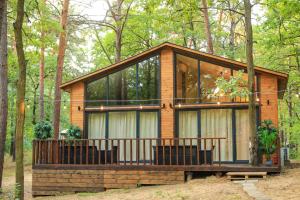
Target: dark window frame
[136, 63]
[233, 119]
[137, 112]
[199, 59]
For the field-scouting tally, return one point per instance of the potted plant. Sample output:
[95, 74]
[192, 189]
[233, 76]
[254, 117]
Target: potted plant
[267, 135]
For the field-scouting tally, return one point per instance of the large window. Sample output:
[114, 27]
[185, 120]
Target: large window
[125, 124]
[134, 85]
[196, 82]
[218, 123]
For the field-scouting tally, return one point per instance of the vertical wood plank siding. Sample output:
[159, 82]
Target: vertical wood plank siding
[77, 99]
[167, 93]
[268, 89]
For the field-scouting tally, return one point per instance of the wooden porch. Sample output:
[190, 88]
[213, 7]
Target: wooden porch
[93, 165]
[180, 154]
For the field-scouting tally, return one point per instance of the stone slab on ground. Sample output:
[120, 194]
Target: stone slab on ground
[250, 188]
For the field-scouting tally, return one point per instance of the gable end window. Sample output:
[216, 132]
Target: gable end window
[135, 85]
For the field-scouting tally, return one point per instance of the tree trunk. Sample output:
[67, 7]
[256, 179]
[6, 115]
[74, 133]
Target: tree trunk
[3, 85]
[20, 100]
[231, 39]
[207, 28]
[34, 106]
[42, 72]
[12, 131]
[60, 63]
[250, 69]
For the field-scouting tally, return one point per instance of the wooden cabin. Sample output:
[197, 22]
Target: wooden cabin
[152, 118]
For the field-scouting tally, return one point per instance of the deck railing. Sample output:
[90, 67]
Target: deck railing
[129, 152]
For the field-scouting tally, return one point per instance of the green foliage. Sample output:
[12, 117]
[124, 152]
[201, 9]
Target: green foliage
[73, 132]
[43, 130]
[267, 135]
[236, 86]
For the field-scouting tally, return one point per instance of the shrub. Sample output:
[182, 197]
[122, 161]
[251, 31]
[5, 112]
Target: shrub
[73, 132]
[43, 130]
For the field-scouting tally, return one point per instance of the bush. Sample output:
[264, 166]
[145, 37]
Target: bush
[73, 132]
[43, 130]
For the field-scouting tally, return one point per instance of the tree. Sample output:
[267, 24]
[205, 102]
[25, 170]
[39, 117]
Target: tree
[60, 63]
[42, 68]
[20, 99]
[210, 48]
[3, 84]
[251, 86]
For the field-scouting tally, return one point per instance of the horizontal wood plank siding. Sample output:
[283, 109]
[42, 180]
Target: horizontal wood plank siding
[77, 100]
[51, 182]
[167, 93]
[269, 98]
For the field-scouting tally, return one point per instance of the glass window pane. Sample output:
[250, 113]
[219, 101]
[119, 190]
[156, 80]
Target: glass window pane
[123, 125]
[96, 92]
[148, 80]
[242, 134]
[209, 73]
[218, 123]
[186, 79]
[188, 126]
[148, 129]
[122, 87]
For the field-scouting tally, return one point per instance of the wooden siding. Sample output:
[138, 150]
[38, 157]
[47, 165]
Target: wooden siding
[77, 100]
[55, 181]
[269, 98]
[167, 93]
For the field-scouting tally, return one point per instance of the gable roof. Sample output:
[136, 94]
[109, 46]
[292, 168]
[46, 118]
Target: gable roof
[177, 48]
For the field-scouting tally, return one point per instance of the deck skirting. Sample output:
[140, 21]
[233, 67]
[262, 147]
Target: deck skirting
[57, 181]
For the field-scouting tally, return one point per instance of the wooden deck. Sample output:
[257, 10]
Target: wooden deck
[95, 165]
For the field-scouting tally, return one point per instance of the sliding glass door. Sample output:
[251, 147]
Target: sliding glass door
[231, 124]
[125, 125]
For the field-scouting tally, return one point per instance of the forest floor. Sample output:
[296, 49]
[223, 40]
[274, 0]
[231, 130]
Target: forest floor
[277, 187]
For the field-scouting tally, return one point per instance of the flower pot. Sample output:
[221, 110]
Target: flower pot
[269, 163]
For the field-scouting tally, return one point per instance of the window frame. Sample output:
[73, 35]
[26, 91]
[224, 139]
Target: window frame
[202, 59]
[137, 112]
[136, 64]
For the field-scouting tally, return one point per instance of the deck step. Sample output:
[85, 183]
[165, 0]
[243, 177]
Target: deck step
[246, 175]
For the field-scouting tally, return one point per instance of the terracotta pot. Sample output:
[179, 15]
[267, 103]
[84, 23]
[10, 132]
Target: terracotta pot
[275, 158]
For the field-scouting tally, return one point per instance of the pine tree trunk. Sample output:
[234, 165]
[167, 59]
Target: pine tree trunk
[3, 85]
[42, 73]
[60, 63]
[210, 48]
[20, 100]
[251, 87]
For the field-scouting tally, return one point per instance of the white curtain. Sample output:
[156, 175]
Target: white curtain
[148, 129]
[188, 127]
[96, 127]
[242, 134]
[123, 125]
[218, 123]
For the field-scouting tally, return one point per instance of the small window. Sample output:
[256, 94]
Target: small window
[187, 79]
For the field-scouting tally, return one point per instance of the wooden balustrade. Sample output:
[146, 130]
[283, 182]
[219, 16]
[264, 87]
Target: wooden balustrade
[128, 151]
